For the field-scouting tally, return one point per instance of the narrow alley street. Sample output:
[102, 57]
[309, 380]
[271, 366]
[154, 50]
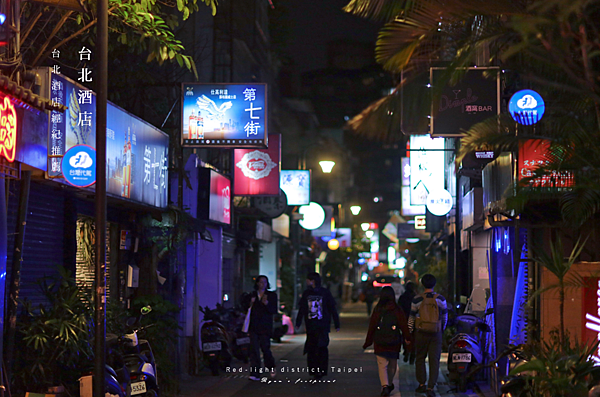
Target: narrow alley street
[345, 354]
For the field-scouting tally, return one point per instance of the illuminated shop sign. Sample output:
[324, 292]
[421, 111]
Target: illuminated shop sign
[214, 198]
[79, 166]
[526, 107]
[296, 185]
[8, 129]
[532, 155]
[426, 167]
[136, 151]
[439, 202]
[591, 309]
[475, 98]
[224, 115]
[257, 170]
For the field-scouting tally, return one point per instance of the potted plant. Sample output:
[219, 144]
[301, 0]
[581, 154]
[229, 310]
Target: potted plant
[54, 339]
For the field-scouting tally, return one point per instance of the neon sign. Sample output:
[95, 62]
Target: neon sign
[8, 130]
[591, 307]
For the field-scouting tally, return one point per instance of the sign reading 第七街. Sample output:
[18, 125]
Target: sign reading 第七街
[224, 115]
[475, 98]
[136, 151]
[257, 170]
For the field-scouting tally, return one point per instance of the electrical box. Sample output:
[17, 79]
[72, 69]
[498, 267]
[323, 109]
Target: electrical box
[133, 276]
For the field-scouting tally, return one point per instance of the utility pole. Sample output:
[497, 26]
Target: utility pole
[100, 199]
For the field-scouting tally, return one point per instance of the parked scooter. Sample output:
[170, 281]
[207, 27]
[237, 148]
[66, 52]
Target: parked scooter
[515, 385]
[464, 350]
[138, 358]
[233, 319]
[215, 342]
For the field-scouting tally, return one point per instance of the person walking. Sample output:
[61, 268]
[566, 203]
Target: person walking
[405, 303]
[262, 304]
[387, 326]
[317, 307]
[428, 318]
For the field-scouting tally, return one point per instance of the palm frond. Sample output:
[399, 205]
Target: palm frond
[379, 10]
[380, 121]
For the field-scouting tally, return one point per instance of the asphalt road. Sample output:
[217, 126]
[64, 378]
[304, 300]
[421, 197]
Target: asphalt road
[346, 356]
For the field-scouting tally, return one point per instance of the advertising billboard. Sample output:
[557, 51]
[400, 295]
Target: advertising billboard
[214, 200]
[533, 153]
[136, 151]
[257, 170]
[224, 115]
[426, 167]
[475, 98]
[296, 185]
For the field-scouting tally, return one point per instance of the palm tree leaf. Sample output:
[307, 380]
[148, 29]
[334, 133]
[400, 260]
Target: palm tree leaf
[379, 10]
[380, 121]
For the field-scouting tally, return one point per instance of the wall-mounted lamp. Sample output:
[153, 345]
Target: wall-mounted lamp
[326, 166]
[355, 209]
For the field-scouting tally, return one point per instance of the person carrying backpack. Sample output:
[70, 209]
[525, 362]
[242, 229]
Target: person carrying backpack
[386, 328]
[428, 318]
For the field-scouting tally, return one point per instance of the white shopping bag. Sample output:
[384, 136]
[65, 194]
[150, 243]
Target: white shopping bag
[247, 321]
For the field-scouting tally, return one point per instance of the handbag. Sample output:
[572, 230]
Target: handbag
[247, 321]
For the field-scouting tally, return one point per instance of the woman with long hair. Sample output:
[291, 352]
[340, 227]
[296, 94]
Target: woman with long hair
[387, 326]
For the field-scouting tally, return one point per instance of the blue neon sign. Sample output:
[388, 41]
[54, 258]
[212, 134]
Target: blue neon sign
[79, 166]
[526, 107]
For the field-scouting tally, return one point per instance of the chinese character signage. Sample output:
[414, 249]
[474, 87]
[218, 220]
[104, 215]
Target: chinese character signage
[224, 115]
[257, 170]
[532, 155]
[8, 129]
[296, 185]
[591, 314]
[526, 107]
[472, 100]
[136, 152]
[214, 202]
[426, 167]
[79, 166]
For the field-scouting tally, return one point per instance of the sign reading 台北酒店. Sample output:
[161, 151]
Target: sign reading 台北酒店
[257, 170]
[136, 151]
[224, 115]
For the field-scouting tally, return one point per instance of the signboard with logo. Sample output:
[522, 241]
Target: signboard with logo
[533, 154]
[426, 167]
[8, 129]
[591, 314]
[271, 206]
[526, 107]
[472, 100]
[439, 202]
[224, 115]
[257, 170]
[296, 185]
[136, 152]
[79, 166]
[214, 200]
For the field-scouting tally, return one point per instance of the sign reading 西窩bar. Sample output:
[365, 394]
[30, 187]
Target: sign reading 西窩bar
[257, 170]
[475, 98]
[224, 115]
[136, 151]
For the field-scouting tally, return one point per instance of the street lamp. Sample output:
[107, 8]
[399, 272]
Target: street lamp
[355, 209]
[365, 226]
[327, 166]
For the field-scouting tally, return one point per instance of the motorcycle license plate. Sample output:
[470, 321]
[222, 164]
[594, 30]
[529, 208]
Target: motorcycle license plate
[242, 341]
[461, 357]
[211, 346]
[138, 388]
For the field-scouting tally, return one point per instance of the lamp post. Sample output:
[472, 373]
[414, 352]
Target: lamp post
[355, 209]
[327, 166]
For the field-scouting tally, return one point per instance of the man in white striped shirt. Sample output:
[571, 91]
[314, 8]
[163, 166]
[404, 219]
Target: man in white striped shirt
[428, 337]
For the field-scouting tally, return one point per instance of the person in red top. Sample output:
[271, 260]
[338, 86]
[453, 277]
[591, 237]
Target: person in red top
[387, 355]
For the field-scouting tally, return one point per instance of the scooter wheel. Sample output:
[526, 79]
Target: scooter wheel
[214, 368]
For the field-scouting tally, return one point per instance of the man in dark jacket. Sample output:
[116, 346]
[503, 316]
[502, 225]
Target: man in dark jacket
[317, 306]
[263, 305]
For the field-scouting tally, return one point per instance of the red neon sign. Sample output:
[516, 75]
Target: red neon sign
[8, 130]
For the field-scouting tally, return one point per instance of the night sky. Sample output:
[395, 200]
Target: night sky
[311, 24]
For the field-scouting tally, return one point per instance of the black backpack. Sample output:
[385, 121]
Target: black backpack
[387, 332]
